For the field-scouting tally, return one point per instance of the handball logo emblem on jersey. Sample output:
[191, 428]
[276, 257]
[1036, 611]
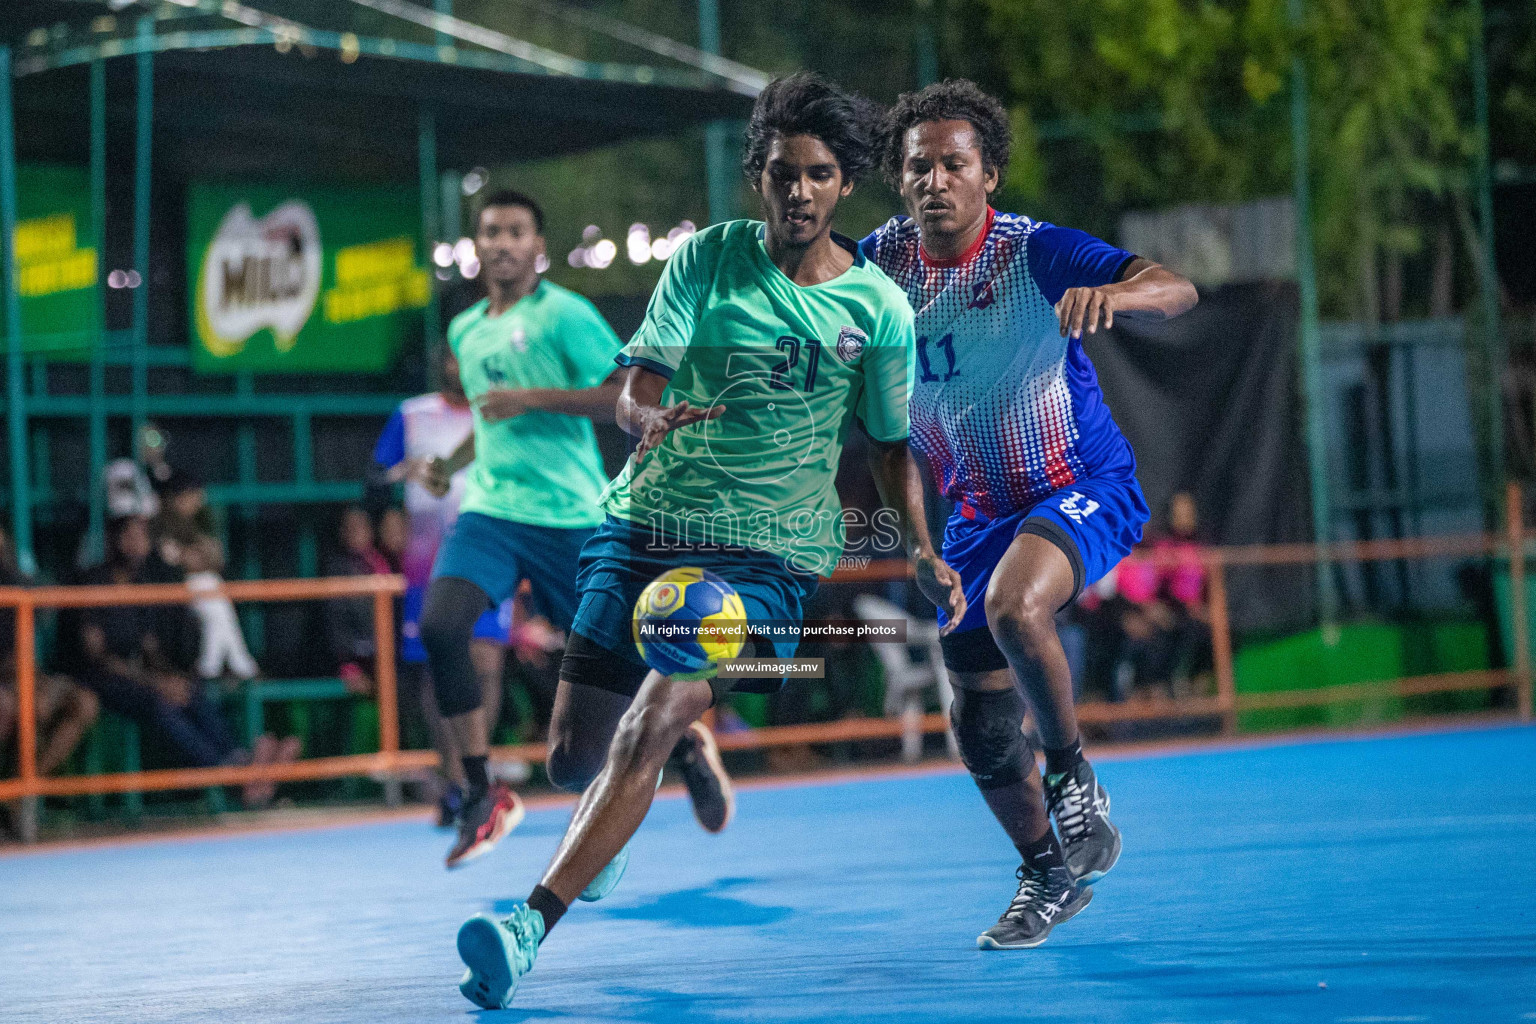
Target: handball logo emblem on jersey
[983, 294]
[1079, 506]
[850, 344]
[259, 274]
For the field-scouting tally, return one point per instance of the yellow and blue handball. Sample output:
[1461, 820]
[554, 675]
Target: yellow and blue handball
[686, 620]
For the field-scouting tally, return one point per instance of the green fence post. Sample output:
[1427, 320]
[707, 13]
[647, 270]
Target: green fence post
[144, 129]
[97, 493]
[1488, 277]
[42, 470]
[717, 134]
[927, 51]
[16, 392]
[1311, 347]
[254, 616]
[304, 474]
[426, 152]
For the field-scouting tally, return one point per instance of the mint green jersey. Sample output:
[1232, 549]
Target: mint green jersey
[792, 367]
[541, 468]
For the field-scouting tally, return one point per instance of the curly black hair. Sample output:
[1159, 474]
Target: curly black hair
[954, 99]
[805, 103]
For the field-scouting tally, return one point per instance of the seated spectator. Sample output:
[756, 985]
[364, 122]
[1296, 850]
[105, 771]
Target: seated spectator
[1161, 609]
[184, 518]
[349, 620]
[64, 710]
[394, 536]
[186, 542]
[132, 657]
[222, 647]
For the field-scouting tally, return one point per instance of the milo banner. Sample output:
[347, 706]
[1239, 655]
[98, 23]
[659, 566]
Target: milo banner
[302, 279]
[56, 267]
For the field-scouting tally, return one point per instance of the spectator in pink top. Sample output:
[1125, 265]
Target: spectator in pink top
[1162, 612]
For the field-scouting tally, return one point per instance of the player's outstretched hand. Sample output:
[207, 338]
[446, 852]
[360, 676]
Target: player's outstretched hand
[941, 585]
[1081, 309]
[500, 404]
[662, 422]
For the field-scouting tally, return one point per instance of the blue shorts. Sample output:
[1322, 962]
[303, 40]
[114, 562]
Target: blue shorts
[622, 558]
[497, 554]
[1095, 523]
[495, 624]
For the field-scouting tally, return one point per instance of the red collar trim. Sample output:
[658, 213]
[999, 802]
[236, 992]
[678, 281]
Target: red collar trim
[969, 254]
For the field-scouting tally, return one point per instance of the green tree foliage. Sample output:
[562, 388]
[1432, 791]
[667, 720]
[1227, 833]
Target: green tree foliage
[1117, 105]
[1175, 101]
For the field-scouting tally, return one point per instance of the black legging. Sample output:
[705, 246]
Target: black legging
[448, 617]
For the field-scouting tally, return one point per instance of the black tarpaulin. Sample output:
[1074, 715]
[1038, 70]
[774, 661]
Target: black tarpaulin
[1211, 405]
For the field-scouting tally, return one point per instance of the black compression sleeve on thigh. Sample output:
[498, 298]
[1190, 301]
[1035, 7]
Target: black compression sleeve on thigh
[1047, 529]
[588, 663]
[448, 617]
[987, 731]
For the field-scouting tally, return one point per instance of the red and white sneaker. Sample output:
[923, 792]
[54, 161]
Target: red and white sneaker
[484, 823]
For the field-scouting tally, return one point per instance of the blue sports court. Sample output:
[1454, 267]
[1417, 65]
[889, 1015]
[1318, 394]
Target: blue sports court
[1348, 880]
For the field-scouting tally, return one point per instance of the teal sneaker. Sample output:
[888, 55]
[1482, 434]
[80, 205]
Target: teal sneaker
[608, 878]
[498, 953]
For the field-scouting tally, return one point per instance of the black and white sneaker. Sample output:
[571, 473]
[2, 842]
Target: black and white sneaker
[1080, 806]
[1045, 899]
[709, 787]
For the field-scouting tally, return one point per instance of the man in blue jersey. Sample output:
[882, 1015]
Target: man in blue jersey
[1008, 414]
[424, 428]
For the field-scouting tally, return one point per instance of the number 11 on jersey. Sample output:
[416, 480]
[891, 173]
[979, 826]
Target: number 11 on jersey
[947, 344]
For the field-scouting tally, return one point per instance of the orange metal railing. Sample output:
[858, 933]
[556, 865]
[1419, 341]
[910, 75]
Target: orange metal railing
[382, 589]
[1225, 704]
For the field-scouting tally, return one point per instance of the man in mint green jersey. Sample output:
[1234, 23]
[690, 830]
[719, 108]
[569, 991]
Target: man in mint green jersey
[764, 343]
[536, 362]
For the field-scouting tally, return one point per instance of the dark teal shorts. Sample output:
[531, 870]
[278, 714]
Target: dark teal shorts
[622, 558]
[498, 554]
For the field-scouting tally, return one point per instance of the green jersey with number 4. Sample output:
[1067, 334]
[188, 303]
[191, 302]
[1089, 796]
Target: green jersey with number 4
[791, 366]
[540, 468]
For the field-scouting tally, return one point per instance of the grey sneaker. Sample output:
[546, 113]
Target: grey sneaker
[1044, 900]
[1080, 806]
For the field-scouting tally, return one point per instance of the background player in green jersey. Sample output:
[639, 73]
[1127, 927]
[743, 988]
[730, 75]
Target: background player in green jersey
[536, 362]
[762, 345]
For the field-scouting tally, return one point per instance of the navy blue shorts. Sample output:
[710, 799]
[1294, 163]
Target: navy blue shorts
[1094, 522]
[498, 554]
[622, 558]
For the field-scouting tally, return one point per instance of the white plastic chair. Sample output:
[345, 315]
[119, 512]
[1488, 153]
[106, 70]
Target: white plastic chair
[907, 676]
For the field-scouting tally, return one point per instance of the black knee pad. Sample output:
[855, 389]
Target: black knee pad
[987, 726]
[573, 766]
[448, 617]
